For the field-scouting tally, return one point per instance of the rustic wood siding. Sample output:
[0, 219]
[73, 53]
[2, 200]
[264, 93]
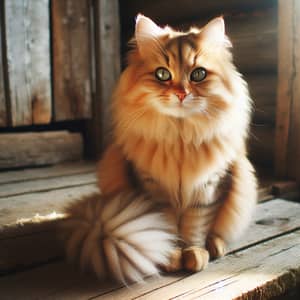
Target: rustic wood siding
[3, 116]
[28, 61]
[107, 70]
[288, 100]
[71, 59]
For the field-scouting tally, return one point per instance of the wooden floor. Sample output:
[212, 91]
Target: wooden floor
[264, 263]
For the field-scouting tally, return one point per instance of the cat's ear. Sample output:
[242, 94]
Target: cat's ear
[147, 34]
[214, 33]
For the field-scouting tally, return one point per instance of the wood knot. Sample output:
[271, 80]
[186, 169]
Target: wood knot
[272, 221]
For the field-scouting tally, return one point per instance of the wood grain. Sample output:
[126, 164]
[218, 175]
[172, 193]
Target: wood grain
[24, 210]
[293, 154]
[3, 112]
[47, 184]
[28, 61]
[39, 148]
[285, 79]
[71, 59]
[63, 169]
[260, 262]
[260, 272]
[107, 68]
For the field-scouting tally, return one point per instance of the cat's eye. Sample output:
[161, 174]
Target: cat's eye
[198, 74]
[162, 74]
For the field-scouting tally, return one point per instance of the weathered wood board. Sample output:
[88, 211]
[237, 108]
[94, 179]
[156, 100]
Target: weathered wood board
[73, 168]
[28, 61]
[3, 112]
[39, 148]
[265, 264]
[31, 218]
[43, 185]
[71, 59]
[107, 70]
[288, 105]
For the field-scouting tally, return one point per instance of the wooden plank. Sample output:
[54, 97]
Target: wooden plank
[285, 83]
[71, 59]
[39, 148]
[288, 101]
[23, 210]
[42, 229]
[74, 168]
[264, 271]
[42, 185]
[107, 49]
[293, 154]
[273, 218]
[3, 113]
[28, 61]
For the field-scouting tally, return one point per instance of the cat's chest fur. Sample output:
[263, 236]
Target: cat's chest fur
[185, 174]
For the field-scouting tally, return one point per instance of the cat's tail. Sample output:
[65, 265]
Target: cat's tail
[119, 236]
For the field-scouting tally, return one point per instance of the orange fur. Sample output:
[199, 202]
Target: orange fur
[178, 148]
[184, 143]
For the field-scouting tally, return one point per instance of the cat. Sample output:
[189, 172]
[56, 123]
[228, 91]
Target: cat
[176, 184]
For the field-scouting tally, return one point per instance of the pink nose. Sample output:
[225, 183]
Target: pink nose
[181, 95]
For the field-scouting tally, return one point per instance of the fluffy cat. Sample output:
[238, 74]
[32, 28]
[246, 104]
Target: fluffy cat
[176, 185]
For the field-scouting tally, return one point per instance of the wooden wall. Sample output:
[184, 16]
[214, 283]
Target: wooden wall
[45, 61]
[252, 28]
[287, 144]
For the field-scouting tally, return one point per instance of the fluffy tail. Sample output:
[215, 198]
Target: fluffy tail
[120, 236]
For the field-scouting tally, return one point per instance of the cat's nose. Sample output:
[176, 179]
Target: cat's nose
[181, 95]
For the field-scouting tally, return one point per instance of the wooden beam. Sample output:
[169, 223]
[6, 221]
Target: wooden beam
[107, 70]
[287, 146]
[39, 148]
[71, 59]
[28, 61]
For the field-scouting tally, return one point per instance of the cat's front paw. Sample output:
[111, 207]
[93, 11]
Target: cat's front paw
[216, 246]
[195, 258]
[175, 261]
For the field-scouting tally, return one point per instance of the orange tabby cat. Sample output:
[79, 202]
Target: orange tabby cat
[176, 184]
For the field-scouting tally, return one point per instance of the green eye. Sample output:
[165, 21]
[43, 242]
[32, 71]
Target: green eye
[198, 74]
[162, 74]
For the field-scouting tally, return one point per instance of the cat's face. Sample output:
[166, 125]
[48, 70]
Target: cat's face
[182, 74]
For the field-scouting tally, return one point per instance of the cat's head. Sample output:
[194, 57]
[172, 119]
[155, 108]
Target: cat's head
[181, 75]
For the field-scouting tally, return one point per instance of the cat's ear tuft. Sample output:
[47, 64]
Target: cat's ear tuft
[214, 33]
[145, 27]
[147, 34]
